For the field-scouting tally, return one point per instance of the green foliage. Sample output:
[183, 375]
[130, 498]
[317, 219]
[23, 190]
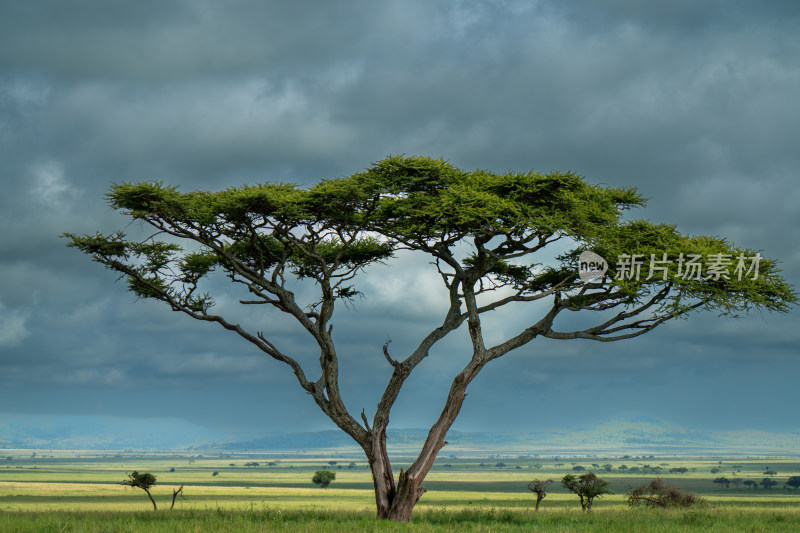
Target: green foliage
[587, 486]
[768, 483]
[336, 228]
[723, 481]
[143, 480]
[793, 482]
[323, 478]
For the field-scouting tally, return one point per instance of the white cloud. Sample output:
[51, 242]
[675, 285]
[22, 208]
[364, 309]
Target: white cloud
[12, 327]
[50, 185]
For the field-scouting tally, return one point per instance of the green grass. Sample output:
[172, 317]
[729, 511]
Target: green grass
[262, 520]
[82, 492]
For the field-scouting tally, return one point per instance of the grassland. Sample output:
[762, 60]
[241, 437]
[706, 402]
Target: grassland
[81, 491]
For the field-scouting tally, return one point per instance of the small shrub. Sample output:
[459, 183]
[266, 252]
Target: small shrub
[660, 494]
[323, 478]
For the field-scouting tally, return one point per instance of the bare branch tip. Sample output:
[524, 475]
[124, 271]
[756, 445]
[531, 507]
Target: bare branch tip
[392, 362]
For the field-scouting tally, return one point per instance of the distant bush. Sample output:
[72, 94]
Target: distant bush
[660, 494]
[323, 478]
[723, 481]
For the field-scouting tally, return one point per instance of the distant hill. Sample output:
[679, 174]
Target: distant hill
[101, 432]
[631, 434]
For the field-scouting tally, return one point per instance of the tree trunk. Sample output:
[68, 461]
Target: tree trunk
[539, 499]
[151, 499]
[382, 477]
[396, 502]
[175, 493]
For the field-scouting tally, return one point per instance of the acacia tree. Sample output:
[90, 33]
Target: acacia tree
[144, 481]
[323, 478]
[485, 233]
[587, 486]
[539, 487]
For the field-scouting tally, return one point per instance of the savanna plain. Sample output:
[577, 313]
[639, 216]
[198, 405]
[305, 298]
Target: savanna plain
[81, 491]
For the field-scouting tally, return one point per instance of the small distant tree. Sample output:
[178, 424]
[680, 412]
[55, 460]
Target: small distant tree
[750, 483]
[351, 466]
[768, 483]
[770, 473]
[608, 467]
[793, 482]
[715, 470]
[723, 481]
[622, 467]
[143, 481]
[332, 463]
[578, 468]
[660, 494]
[323, 478]
[587, 486]
[678, 470]
[539, 488]
[500, 465]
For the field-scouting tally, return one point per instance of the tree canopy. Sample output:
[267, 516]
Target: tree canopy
[587, 486]
[485, 233]
[323, 478]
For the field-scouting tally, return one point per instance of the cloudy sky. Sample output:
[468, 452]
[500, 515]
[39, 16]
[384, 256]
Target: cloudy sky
[695, 103]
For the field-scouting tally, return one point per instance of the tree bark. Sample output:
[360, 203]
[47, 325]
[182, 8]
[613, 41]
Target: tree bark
[151, 499]
[175, 493]
[381, 468]
[396, 502]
